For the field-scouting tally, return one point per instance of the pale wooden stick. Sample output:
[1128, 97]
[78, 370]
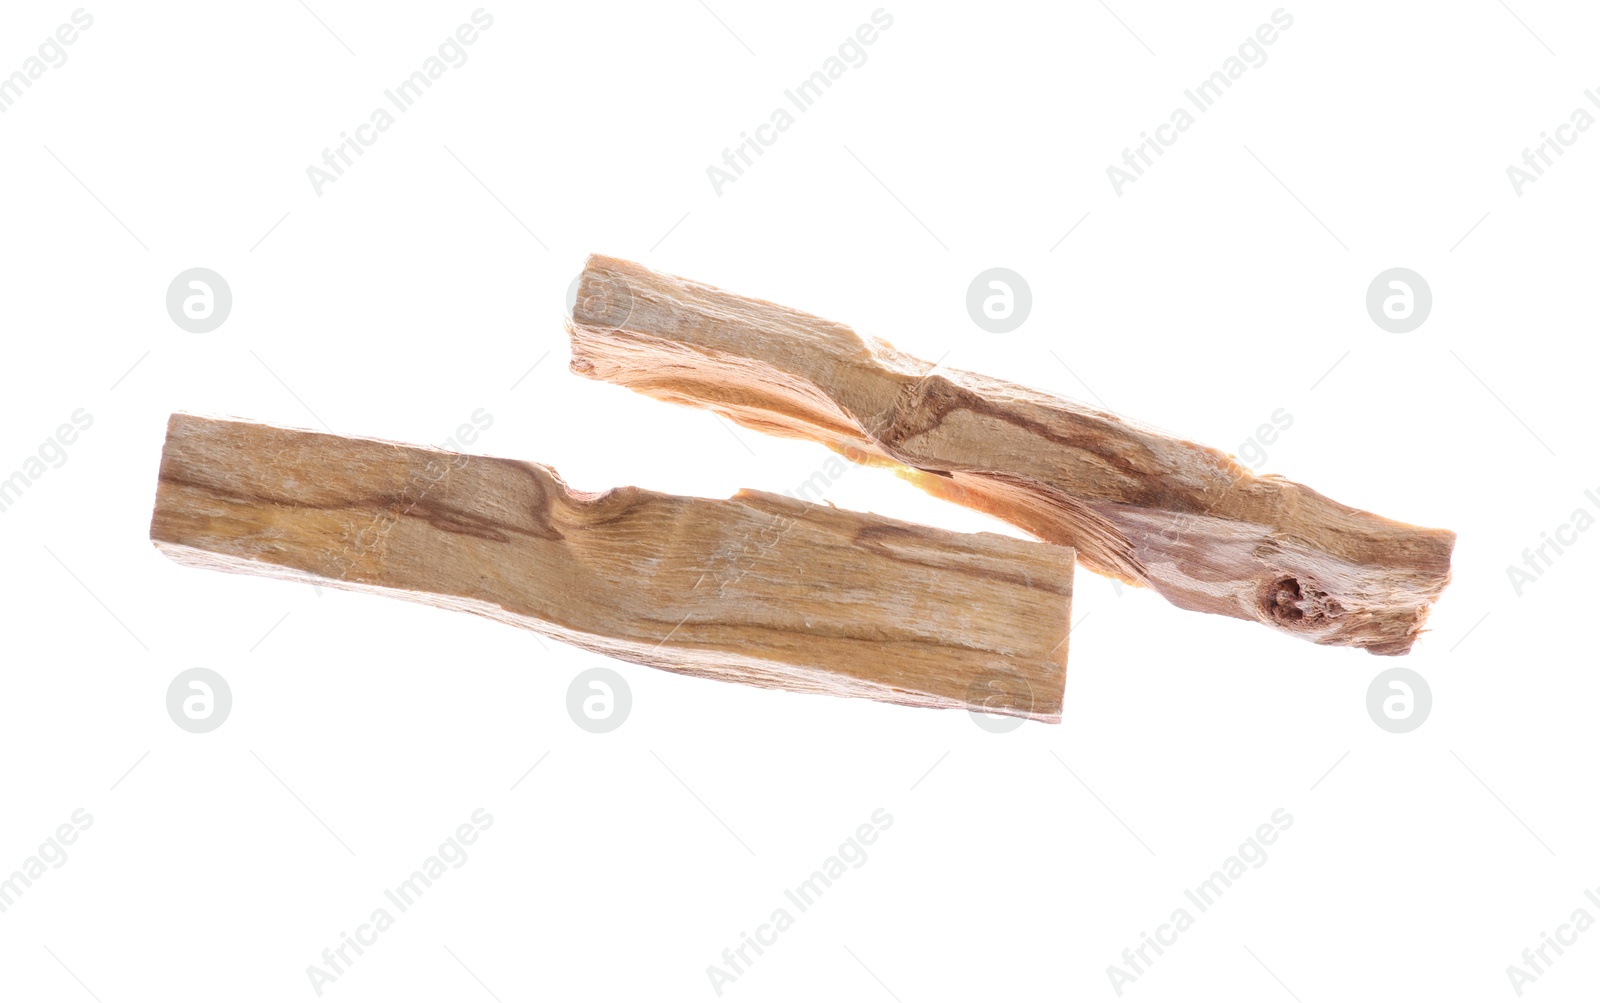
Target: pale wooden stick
[1137, 504]
[757, 588]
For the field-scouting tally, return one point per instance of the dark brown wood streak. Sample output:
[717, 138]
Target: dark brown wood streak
[757, 588]
[1137, 504]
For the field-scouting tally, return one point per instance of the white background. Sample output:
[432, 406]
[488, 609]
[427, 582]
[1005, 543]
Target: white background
[413, 291]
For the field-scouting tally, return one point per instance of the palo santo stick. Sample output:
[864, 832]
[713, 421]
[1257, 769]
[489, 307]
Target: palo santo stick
[757, 589]
[1137, 504]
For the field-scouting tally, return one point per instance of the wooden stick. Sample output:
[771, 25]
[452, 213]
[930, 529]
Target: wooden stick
[1137, 504]
[756, 589]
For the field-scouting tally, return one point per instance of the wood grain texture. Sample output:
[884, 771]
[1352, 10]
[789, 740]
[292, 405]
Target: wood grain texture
[1137, 504]
[756, 589]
